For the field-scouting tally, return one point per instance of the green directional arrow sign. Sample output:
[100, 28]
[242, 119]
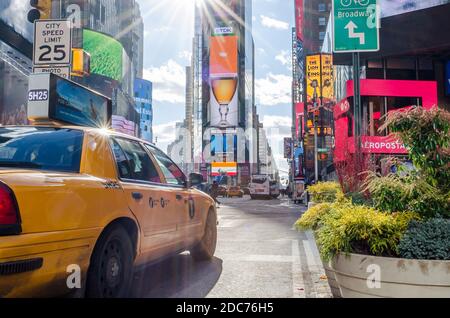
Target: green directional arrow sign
[356, 26]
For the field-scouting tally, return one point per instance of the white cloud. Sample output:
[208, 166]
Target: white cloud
[274, 23]
[284, 57]
[260, 51]
[185, 55]
[165, 134]
[169, 81]
[274, 89]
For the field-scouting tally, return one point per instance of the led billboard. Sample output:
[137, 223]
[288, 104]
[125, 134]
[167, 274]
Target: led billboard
[106, 54]
[77, 105]
[223, 168]
[224, 80]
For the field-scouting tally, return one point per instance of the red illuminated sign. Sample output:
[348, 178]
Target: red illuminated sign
[299, 18]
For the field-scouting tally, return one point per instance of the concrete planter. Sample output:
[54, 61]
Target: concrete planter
[398, 277]
[331, 277]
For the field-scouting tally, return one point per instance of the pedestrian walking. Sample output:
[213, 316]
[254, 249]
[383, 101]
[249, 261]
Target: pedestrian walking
[215, 191]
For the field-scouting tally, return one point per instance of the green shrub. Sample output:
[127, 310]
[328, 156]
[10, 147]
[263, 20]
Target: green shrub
[325, 192]
[426, 134]
[406, 192]
[426, 240]
[310, 220]
[360, 229]
[358, 198]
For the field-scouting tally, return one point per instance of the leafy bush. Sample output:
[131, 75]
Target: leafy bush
[360, 229]
[325, 192]
[310, 220]
[426, 240]
[359, 198]
[426, 134]
[406, 192]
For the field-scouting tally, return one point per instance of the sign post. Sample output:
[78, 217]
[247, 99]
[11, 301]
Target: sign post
[52, 47]
[356, 25]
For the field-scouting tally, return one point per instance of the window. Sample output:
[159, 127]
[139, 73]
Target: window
[172, 173]
[41, 148]
[322, 7]
[133, 162]
[321, 35]
[322, 21]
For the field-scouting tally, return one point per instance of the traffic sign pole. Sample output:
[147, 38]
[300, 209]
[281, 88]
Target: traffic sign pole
[357, 101]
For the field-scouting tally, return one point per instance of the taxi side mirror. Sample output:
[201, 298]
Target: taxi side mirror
[195, 179]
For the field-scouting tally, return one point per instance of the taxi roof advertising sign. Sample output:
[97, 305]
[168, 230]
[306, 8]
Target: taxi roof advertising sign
[54, 99]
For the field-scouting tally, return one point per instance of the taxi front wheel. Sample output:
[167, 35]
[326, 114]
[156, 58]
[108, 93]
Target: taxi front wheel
[205, 250]
[111, 268]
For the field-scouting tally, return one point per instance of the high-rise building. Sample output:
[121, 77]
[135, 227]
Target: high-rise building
[308, 39]
[315, 20]
[227, 82]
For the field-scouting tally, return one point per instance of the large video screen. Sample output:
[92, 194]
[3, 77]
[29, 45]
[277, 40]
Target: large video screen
[106, 54]
[224, 80]
[79, 106]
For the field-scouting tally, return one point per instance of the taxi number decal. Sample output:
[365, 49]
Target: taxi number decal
[162, 202]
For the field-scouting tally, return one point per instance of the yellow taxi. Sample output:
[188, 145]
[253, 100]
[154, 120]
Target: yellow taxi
[100, 202]
[235, 191]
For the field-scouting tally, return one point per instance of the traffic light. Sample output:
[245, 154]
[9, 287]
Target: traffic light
[81, 62]
[323, 156]
[42, 9]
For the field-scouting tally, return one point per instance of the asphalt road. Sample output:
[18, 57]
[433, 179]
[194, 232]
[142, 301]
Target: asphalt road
[259, 254]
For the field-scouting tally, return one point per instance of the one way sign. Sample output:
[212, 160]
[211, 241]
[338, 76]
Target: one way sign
[356, 26]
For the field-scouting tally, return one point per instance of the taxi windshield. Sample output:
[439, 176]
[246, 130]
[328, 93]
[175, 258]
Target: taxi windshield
[41, 148]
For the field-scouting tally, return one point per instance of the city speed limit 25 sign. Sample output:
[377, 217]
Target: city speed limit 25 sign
[355, 26]
[52, 42]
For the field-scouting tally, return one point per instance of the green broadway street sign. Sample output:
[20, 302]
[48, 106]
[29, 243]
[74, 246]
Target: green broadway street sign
[356, 26]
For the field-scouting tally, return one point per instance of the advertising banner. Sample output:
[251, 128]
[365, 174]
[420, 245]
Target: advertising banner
[51, 97]
[382, 145]
[299, 119]
[287, 148]
[121, 124]
[327, 78]
[299, 18]
[224, 81]
[313, 80]
[223, 168]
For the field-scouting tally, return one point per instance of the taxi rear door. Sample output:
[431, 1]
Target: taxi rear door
[185, 201]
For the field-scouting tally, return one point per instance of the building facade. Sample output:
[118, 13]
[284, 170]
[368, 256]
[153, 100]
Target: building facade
[227, 89]
[411, 68]
[103, 25]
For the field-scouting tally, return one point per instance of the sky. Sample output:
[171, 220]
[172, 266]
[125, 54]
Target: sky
[168, 32]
